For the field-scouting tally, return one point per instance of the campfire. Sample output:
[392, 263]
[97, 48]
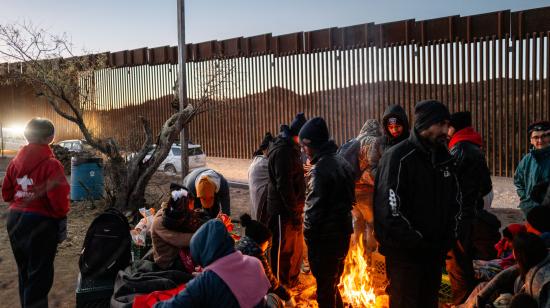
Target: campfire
[357, 285]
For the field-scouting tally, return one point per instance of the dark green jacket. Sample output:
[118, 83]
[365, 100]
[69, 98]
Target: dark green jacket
[534, 168]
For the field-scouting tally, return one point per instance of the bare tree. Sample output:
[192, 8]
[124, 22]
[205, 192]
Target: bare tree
[46, 63]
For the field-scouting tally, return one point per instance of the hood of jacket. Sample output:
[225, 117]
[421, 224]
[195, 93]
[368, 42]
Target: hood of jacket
[467, 134]
[211, 242]
[369, 133]
[30, 156]
[395, 111]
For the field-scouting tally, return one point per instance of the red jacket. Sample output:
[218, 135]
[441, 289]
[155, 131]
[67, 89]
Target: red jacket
[466, 134]
[35, 182]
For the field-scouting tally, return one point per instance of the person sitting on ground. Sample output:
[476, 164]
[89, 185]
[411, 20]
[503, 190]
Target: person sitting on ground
[531, 274]
[229, 279]
[258, 179]
[210, 190]
[255, 243]
[486, 270]
[38, 193]
[173, 227]
[523, 300]
[534, 168]
[534, 268]
[538, 223]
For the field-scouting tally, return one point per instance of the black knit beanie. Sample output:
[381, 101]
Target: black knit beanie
[255, 230]
[461, 120]
[297, 124]
[314, 133]
[428, 113]
[538, 126]
[539, 218]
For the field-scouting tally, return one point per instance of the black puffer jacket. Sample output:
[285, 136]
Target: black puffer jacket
[395, 111]
[286, 188]
[331, 193]
[472, 171]
[416, 202]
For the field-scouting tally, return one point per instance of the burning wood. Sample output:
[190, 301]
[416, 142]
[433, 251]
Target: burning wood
[357, 285]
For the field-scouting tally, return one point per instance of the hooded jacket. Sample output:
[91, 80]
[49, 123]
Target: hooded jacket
[286, 188]
[369, 153]
[395, 111]
[331, 193]
[534, 168]
[472, 171]
[221, 197]
[35, 183]
[166, 243]
[229, 279]
[416, 202]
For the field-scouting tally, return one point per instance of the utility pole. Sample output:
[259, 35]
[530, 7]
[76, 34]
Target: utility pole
[182, 87]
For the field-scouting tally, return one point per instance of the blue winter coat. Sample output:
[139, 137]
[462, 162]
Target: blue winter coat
[210, 242]
[534, 168]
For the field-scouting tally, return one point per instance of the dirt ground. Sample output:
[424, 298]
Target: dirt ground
[82, 213]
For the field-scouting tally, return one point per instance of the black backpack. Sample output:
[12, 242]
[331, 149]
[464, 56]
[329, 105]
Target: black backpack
[107, 246]
[350, 152]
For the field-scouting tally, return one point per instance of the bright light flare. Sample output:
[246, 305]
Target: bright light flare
[17, 129]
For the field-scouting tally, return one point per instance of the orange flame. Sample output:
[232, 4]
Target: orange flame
[356, 284]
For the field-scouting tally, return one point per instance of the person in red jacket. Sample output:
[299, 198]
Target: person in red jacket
[38, 193]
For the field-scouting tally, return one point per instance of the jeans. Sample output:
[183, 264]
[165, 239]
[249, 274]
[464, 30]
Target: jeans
[33, 241]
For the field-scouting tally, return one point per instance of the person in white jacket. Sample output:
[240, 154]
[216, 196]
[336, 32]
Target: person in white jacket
[258, 178]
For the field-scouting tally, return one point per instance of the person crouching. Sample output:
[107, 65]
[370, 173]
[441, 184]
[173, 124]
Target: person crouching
[173, 227]
[255, 243]
[229, 279]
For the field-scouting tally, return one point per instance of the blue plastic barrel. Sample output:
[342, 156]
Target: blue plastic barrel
[87, 181]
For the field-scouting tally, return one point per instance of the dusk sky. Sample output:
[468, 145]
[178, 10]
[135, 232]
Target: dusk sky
[112, 25]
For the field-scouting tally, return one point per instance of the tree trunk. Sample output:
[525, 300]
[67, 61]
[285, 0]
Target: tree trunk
[185, 153]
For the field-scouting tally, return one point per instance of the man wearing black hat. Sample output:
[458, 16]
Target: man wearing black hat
[285, 202]
[328, 220]
[475, 183]
[534, 168]
[416, 208]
